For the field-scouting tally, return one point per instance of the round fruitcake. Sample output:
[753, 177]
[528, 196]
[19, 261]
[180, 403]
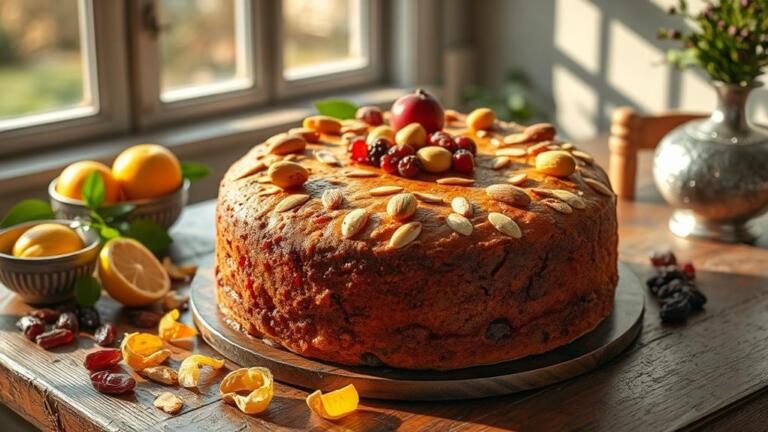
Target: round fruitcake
[334, 254]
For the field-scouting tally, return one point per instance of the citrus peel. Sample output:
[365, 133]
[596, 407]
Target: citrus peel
[257, 381]
[336, 404]
[169, 328]
[189, 371]
[143, 350]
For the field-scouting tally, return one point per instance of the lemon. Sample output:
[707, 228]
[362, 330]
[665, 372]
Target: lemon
[147, 171]
[70, 182]
[47, 239]
[131, 274]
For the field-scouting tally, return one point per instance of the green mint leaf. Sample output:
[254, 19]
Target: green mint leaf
[108, 233]
[336, 108]
[93, 191]
[27, 210]
[194, 170]
[87, 290]
[116, 211]
[150, 234]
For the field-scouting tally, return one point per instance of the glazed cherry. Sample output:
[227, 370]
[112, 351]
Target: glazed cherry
[371, 115]
[31, 326]
[418, 107]
[463, 161]
[102, 359]
[442, 139]
[401, 151]
[358, 150]
[378, 148]
[409, 166]
[389, 163]
[466, 143]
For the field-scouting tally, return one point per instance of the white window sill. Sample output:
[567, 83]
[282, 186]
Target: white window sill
[226, 138]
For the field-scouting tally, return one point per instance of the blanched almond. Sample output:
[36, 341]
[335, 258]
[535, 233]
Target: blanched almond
[353, 222]
[287, 174]
[481, 119]
[402, 206]
[459, 223]
[500, 162]
[583, 156]
[332, 199]
[308, 134]
[462, 206]
[540, 132]
[327, 158]
[508, 194]
[358, 173]
[290, 202]
[428, 198]
[252, 168]
[504, 224]
[517, 179]
[385, 190]
[598, 186]
[455, 181]
[571, 198]
[405, 235]
[556, 163]
[513, 152]
[323, 124]
[557, 205]
[283, 144]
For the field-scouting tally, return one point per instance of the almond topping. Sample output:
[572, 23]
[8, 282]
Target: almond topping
[353, 222]
[290, 202]
[459, 223]
[508, 194]
[583, 156]
[517, 179]
[428, 198]
[462, 206]
[557, 205]
[455, 181]
[332, 199]
[598, 186]
[566, 146]
[513, 152]
[358, 173]
[327, 158]
[516, 138]
[269, 190]
[283, 144]
[500, 162]
[504, 224]
[571, 198]
[402, 206]
[385, 190]
[405, 235]
[256, 167]
[539, 148]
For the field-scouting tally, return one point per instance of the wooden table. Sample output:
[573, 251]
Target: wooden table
[710, 374]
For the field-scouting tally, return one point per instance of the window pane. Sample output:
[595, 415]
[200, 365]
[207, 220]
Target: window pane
[203, 47]
[322, 36]
[42, 60]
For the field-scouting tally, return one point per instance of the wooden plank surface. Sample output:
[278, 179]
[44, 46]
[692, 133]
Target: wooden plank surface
[709, 374]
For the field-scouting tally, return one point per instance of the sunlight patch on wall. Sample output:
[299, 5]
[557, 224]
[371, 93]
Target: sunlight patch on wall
[577, 32]
[696, 93]
[635, 68]
[576, 104]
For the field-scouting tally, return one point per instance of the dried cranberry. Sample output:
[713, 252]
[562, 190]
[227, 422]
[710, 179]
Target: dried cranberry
[102, 359]
[144, 319]
[409, 166]
[68, 320]
[389, 163]
[30, 326]
[376, 149]
[112, 383]
[54, 338]
[442, 139]
[358, 150]
[49, 316]
[371, 115]
[89, 317]
[401, 151]
[466, 143]
[105, 335]
[661, 259]
[463, 161]
[690, 270]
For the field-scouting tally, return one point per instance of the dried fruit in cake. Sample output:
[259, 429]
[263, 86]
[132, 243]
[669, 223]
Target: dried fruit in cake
[112, 383]
[336, 404]
[131, 274]
[170, 329]
[371, 115]
[189, 371]
[143, 350]
[250, 389]
[102, 359]
[147, 171]
[47, 239]
[418, 107]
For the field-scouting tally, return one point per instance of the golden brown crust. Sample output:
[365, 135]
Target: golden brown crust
[443, 301]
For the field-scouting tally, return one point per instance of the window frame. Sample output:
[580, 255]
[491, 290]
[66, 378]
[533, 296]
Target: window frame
[104, 36]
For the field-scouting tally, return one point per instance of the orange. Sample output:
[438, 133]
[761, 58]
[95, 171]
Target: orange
[70, 182]
[147, 171]
[47, 239]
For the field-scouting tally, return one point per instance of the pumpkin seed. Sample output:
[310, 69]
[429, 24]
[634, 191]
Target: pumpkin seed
[290, 202]
[459, 223]
[332, 199]
[455, 181]
[385, 190]
[353, 222]
[504, 224]
[508, 194]
[402, 206]
[462, 206]
[500, 162]
[428, 198]
[405, 235]
[598, 186]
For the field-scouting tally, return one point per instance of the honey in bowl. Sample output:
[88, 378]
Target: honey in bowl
[47, 239]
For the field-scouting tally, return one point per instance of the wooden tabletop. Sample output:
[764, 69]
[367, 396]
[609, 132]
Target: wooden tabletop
[710, 374]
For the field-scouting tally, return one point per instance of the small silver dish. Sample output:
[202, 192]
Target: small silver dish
[46, 279]
[164, 210]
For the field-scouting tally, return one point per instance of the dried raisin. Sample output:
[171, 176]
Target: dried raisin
[105, 335]
[144, 319]
[30, 326]
[112, 383]
[54, 338]
[68, 320]
[89, 317]
[103, 359]
[49, 316]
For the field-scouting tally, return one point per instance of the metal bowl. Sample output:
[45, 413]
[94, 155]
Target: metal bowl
[164, 210]
[46, 279]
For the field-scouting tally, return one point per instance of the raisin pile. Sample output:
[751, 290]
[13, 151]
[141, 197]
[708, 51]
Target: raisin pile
[50, 328]
[675, 287]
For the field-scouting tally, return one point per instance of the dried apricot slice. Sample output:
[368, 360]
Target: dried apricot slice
[189, 371]
[256, 381]
[336, 404]
[169, 328]
[143, 350]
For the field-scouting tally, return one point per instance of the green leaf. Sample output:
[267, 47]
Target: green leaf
[108, 233]
[150, 234]
[116, 211]
[93, 191]
[194, 171]
[337, 108]
[27, 210]
[87, 290]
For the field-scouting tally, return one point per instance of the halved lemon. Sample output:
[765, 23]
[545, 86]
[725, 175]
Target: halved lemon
[131, 274]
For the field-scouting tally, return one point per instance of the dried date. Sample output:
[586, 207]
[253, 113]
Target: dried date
[102, 359]
[112, 383]
[47, 315]
[105, 335]
[68, 320]
[54, 338]
[30, 326]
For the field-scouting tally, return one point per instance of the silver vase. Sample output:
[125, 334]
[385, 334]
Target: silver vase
[715, 171]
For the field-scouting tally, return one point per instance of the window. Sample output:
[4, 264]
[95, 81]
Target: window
[85, 68]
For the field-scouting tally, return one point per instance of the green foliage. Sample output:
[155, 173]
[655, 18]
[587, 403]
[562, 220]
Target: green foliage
[194, 171]
[512, 103]
[27, 210]
[93, 191]
[150, 234]
[87, 290]
[336, 108]
[729, 40]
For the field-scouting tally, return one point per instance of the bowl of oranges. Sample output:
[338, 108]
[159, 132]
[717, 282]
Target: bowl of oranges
[42, 260]
[146, 177]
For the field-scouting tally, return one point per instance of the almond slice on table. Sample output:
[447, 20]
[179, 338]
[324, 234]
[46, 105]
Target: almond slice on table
[405, 235]
[504, 224]
[290, 202]
[385, 190]
[353, 222]
[428, 198]
[459, 223]
[462, 206]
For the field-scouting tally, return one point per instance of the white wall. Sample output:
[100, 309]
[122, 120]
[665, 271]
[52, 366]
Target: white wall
[586, 57]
